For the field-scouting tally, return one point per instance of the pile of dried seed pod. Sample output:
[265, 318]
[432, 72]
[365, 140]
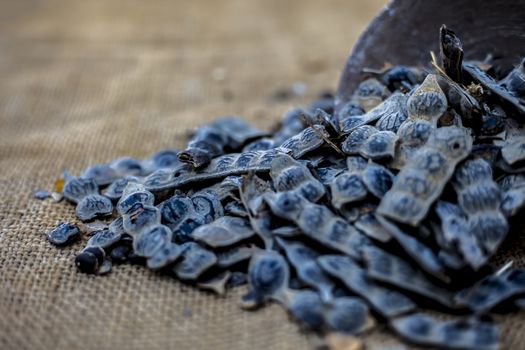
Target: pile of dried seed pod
[392, 206]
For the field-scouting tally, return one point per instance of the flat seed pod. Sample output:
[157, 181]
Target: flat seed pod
[223, 232]
[195, 261]
[216, 284]
[307, 308]
[369, 225]
[151, 240]
[303, 259]
[262, 144]
[348, 315]
[493, 290]
[370, 93]
[208, 206]
[377, 179]
[220, 167]
[93, 206]
[175, 209]
[456, 231]
[234, 255]
[461, 334]
[428, 101]
[227, 188]
[139, 218]
[103, 174]
[387, 268]
[77, 188]
[381, 144]
[164, 256]
[127, 202]
[386, 302]
[318, 222]
[395, 116]
[268, 275]
[63, 234]
[422, 254]
[117, 226]
[305, 141]
[165, 159]
[480, 198]
[327, 174]
[423, 178]
[182, 232]
[489, 84]
[346, 188]
[116, 189]
[119, 254]
[103, 239]
[381, 110]
[288, 174]
[355, 140]
[127, 166]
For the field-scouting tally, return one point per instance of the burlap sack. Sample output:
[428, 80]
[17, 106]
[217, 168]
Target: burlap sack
[88, 81]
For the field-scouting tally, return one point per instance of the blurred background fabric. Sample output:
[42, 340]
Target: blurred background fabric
[83, 82]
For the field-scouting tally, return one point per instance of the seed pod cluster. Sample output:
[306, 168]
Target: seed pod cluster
[390, 206]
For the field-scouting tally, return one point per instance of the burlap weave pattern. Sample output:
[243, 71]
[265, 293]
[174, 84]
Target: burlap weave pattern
[88, 81]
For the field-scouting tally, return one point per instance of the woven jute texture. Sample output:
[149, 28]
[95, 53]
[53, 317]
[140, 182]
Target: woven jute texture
[83, 82]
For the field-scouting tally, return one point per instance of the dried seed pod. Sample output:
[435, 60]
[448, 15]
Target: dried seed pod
[77, 188]
[134, 193]
[377, 179]
[116, 189]
[196, 260]
[305, 141]
[423, 178]
[369, 225]
[208, 206]
[318, 222]
[492, 291]
[370, 143]
[303, 259]
[216, 284]
[290, 175]
[104, 239]
[127, 166]
[166, 255]
[348, 315]
[225, 189]
[489, 84]
[480, 198]
[387, 268]
[165, 159]
[268, 276]
[223, 166]
[175, 209]
[392, 118]
[421, 253]
[102, 174]
[460, 334]
[64, 234]
[451, 53]
[307, 308]
[456, 232]
[234, 255]
[386, 109]
[210, 140]
[151, 240]
[370, 93]
[427, 102]
[117, 226]
[93, 206]
[139, 218]
[235, 208]
[386, 302]
[223, 232]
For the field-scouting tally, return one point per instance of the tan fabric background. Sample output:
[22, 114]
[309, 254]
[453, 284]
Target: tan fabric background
[87, 81]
